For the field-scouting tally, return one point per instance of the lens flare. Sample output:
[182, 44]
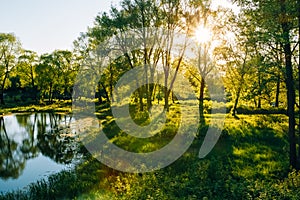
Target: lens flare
[202, 34]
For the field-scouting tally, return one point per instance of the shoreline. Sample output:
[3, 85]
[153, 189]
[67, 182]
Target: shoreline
[55, 107]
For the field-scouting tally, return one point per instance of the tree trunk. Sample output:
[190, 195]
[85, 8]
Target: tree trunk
[299, 75]
[140, 91]
[201, 101]
[105, 92]
[166, 96]
[99, 94]
[50, 93]
[147, 86]
[2, 89]
[277, 92]
[289, 84]
[236, 101]
[166, 93]
[259, 89]
[111, 84]
[2, 97]
[32, 76]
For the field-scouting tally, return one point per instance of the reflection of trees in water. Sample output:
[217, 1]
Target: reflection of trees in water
[11, 160]
[58, 143]
[29, 147]
[47, 133]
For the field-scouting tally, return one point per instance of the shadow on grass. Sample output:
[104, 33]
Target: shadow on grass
[250, 161]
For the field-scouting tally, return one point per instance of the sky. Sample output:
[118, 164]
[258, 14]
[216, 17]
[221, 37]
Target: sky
[46, 25]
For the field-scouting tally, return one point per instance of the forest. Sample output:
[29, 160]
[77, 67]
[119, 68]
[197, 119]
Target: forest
[198, 63]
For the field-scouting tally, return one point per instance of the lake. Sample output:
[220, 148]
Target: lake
[33, 146]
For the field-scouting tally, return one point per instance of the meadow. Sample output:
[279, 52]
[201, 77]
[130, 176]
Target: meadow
[250, 161]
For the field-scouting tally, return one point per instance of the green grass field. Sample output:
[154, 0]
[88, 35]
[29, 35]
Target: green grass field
[250, 161]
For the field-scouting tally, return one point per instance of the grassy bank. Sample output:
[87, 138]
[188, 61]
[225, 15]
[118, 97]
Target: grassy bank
[57, 106]
[250, 161]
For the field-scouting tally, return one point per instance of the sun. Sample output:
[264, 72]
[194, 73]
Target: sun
[202, 34]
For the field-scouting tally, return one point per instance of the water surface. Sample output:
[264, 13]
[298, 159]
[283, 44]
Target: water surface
[33, 146]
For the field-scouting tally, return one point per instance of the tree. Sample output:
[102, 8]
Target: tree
[174, 24]
[47, 76]
[9, 50]
[133, 17]
[237, 56]
[26, 71]
[286, 28]
[206, 30]
[67, 68]
[276, 20]
[56, 74]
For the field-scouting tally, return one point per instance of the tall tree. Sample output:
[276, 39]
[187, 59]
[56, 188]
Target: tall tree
[26, 70]
[132, 22]
[237, 56]
[56, 73]
[174, 12]
[9, 50]
[206, 29]
[277, 19]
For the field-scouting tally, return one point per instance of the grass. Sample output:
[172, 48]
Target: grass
[250, 161]
[57, 106]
